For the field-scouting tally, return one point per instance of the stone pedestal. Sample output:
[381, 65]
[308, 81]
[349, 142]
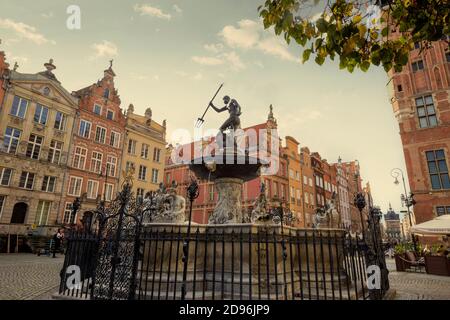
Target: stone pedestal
[228, 208]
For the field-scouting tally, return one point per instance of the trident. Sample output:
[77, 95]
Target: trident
[201, 120]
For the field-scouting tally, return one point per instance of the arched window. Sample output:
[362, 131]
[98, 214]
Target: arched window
[19, 213]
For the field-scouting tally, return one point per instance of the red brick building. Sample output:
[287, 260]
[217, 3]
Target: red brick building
[96, 153]
[420, 101]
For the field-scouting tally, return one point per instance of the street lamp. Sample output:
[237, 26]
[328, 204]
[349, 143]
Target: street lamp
[407, 201]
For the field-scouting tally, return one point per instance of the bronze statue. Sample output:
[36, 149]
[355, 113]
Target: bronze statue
[234, 109]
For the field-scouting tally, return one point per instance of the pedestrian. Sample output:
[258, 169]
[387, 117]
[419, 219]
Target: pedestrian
[57, 239]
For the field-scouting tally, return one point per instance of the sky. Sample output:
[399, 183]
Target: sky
[171, 56]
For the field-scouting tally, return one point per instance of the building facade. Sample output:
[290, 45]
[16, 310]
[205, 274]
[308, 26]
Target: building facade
[36, 119]
[144, 151]
[96, 153]
[291, 152]
[308, 195]
[393, 226]
[420, 101]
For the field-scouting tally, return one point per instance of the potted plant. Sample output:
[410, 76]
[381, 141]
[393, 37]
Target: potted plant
[436, 262]
[399, 254]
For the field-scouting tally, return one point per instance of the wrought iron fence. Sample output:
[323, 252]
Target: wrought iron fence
[125, 260]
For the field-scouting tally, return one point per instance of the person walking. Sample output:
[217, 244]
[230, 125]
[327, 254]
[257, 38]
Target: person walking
[57, 239]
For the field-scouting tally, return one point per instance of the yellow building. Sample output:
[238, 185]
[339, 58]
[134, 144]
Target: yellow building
[295, 180]
[144, 150]
[36, 122]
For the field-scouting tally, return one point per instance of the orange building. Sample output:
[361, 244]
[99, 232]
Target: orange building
[292, 155]
[420, 101]
[308, 183]
[96, 153]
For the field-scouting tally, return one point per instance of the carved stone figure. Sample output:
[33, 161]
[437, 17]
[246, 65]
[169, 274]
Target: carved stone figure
[228, 208]
[260, 213]
[166, 205]
[327, 216]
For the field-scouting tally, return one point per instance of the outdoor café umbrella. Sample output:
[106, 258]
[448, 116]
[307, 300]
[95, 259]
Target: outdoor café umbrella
[439, 226]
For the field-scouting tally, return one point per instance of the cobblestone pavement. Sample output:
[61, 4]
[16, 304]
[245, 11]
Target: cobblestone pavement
[27, 276]
[418, 286]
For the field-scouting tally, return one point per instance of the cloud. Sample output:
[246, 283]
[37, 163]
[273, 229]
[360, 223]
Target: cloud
[214, 48]
[47, 15]
[177, 9]
[105, 49]
[137, 76]
[14, 58]
[25, 31]
[250, 34]
[227, 57]
[181, 73]
[207, 61]
[234, 60]
[148, 10]
[245, 36]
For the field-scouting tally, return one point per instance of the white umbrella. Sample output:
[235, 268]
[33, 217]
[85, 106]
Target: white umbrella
[437, 226]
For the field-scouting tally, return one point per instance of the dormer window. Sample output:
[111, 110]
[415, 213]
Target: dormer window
[106, 93]
[417, 65]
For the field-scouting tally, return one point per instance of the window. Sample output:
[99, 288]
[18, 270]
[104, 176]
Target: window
[142, 173]
[310, 182]
[131, 147]
[156, 154]
[96, 162]
[399, 88]
[307, 198]
[109, 188]
[100, 134]
[106, 93]
[2, 204]
[291, 173]
[85, 129]
[128, 166]
[155, 173]
[297, 175]
[60, 121]
[5, 176]
[426, 112]
[42, 212]
[11, 140]
[438, 169]
[48, 184]
[97, 109]
[211, 192]
[417, 65]
[111, 163]
[26, 180]
[305, 180]
[69, 216]
[34, 146]
[115, 139]
[416, 45]
[144, 151]
[168, 177]
[92, 189]
[447, 56]
[311, 198]
[40, 114]
[110, 115]
[75, 186]
[298, 194]
[441, 210]
[54, 153]
[79, 158]
[19, 107]
[140, 193]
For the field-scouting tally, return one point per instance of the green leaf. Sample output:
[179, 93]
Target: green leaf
[320, 60]
[322, 25]
[306, 55]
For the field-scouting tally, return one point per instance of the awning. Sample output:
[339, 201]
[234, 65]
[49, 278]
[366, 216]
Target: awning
[437, 227]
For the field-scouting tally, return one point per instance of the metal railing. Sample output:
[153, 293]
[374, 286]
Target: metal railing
[242, 262]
